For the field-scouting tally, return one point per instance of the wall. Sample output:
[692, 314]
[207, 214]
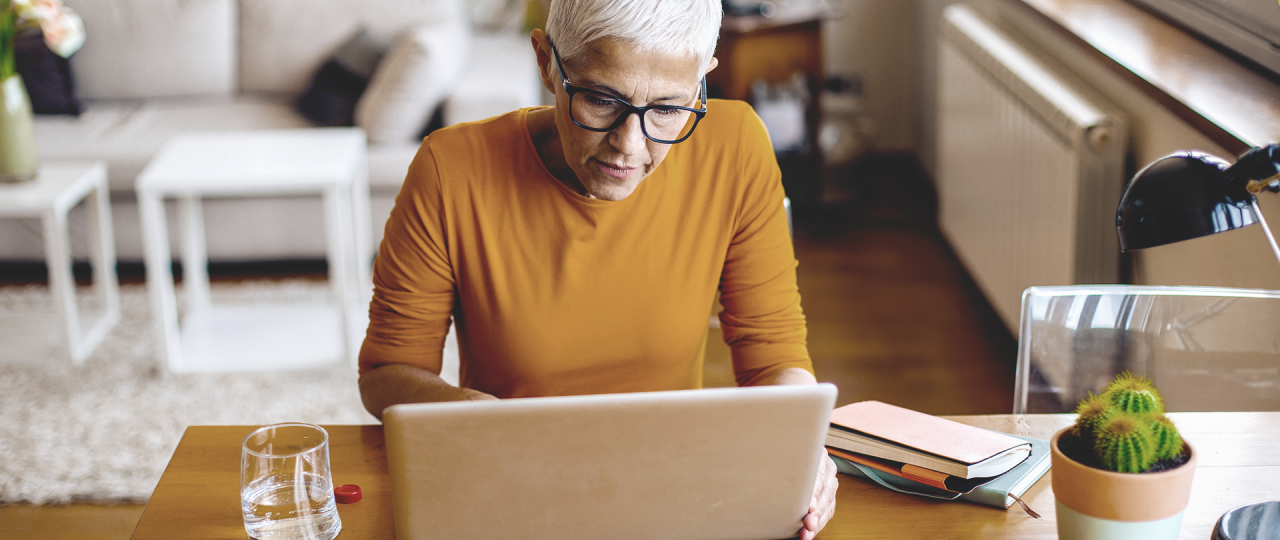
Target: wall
[1239, 258]
[928, 16]
[877, 39]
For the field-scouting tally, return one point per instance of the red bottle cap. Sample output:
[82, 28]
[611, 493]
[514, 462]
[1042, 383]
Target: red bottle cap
[347, 493]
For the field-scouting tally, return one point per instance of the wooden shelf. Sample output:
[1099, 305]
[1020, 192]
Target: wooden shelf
[1234, 104]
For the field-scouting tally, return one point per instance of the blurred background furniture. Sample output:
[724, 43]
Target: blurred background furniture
[1206, 348]
[761, 55]
[327, 162]
[153, 68]
[57, 188]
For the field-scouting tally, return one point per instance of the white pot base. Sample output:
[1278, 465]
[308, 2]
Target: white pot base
[1073, 525]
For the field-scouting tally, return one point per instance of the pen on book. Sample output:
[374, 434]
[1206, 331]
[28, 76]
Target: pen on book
[914, 473]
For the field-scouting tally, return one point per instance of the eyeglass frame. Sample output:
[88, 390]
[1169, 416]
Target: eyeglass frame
[630, 109]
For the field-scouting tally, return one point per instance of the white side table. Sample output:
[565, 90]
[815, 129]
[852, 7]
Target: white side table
[329, 162]
[57, 188]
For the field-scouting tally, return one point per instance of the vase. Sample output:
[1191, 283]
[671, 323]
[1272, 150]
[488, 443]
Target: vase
[1094, 504]
[17, 132]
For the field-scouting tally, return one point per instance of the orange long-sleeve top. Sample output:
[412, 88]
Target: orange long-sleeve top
[555, 293]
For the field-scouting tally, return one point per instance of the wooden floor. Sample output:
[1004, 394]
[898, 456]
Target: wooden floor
[891, 315]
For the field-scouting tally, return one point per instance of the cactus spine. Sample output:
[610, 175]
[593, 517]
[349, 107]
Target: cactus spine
[1125, 426]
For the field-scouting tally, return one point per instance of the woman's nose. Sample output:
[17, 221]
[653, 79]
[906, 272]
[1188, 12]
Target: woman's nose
[628, 138]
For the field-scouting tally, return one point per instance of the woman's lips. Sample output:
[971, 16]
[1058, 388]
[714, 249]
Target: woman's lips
[614, 170]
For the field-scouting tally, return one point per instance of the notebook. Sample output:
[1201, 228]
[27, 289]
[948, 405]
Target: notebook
[1000, 492]
[890, 432]
[725, 463]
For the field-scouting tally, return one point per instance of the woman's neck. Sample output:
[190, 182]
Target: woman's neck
[546, 140]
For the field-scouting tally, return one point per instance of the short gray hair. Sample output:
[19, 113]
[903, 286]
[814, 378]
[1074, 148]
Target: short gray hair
[673, 26]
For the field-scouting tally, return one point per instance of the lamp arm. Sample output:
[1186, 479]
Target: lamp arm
[1266, 229]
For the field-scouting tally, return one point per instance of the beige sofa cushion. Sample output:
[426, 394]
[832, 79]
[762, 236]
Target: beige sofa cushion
[283, 42]
[502, 77]
[422, 67]
[138, 49]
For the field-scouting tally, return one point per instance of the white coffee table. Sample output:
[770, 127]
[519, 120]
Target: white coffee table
[328, 162]
[57, 188]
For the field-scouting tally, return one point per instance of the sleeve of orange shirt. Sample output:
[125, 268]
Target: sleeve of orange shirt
[762, 321]
[413, 278]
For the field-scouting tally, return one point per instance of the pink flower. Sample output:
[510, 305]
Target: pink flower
[65, 34]
[63, 30]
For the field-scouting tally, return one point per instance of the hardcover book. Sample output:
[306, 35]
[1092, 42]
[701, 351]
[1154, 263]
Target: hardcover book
[999, 492]
[893, 433]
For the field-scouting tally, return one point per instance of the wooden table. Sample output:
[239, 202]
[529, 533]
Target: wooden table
[198, 495]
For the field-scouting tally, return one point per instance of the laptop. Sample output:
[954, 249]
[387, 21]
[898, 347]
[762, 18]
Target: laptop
[723, 463]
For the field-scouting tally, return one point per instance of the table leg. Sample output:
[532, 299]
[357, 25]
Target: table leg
[195, 259]
[164, 305]
[102, 245]
[61, 282]
[342, 259]
[361, 210]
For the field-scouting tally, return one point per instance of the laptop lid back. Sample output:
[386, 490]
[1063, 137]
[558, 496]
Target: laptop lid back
[729, 463]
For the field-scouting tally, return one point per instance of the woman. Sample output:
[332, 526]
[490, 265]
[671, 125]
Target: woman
[579, 247]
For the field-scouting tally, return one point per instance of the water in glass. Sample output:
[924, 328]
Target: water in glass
[276, 508]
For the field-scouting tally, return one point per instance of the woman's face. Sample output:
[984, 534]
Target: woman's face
[610, 165]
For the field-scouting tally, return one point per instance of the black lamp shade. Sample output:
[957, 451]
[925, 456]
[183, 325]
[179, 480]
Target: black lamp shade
[1180, 197]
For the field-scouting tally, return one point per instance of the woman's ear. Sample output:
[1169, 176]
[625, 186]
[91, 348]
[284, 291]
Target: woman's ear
[711, 65]
[542, 49]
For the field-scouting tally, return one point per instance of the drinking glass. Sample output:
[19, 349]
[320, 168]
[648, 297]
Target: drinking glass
[286, 492]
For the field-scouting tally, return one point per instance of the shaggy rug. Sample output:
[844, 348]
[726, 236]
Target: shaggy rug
[104, 430]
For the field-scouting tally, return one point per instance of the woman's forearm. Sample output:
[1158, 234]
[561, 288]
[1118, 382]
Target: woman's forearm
[394, 384]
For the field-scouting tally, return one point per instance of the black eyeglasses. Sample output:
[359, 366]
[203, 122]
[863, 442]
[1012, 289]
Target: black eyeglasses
[597, 111]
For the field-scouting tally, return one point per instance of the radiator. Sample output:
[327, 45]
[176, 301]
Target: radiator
[1030, 164]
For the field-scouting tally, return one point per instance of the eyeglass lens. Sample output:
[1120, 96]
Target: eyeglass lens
[598, 111]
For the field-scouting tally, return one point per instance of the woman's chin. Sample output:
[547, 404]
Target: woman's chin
[613, 189]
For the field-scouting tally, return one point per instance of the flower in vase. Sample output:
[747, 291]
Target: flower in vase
[62, 28]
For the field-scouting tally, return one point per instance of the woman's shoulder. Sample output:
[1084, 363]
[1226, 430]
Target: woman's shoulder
[472, 153]
[499, 134]
[730, 122]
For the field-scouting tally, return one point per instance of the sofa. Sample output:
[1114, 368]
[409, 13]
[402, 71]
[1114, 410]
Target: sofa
[153, 68]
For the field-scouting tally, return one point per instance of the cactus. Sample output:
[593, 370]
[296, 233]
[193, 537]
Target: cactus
[1168, 442]
[1134, 394]
[1093, 411]
[1124, 428]
[1125, 443]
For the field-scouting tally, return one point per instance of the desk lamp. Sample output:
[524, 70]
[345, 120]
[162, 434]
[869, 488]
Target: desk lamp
[1191, 194]
[1188, 195]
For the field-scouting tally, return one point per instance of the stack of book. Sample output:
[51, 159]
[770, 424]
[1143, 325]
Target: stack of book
[921, 454]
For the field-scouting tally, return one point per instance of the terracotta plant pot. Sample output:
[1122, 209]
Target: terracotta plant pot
[1094, 504]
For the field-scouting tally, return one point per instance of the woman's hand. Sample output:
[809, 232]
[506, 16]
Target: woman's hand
[823, 504]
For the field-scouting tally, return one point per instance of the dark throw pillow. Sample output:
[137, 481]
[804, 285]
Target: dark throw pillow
[331, 98]
[46, 75]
